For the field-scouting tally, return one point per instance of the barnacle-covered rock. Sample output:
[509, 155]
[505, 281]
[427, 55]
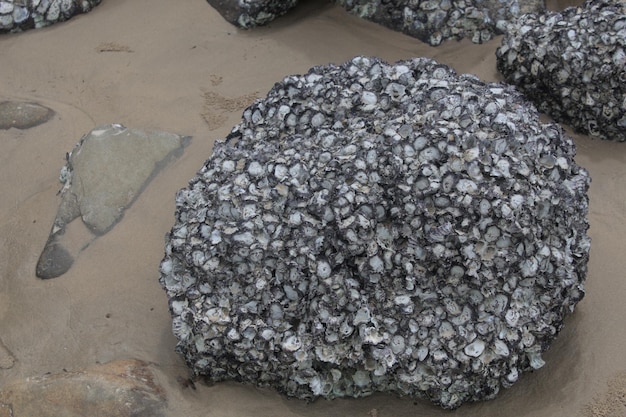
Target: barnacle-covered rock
[19, 15]
[572, 65]
[250, 13]
[375, 227]
[434, 21]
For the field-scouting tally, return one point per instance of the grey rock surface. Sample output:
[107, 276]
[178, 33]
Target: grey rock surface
[374, 227]
[23, 115]
[434, 21]
[7, 360]
[124, 388]
[19, 15]
[105, 172]
[572, 65]
[251, 13]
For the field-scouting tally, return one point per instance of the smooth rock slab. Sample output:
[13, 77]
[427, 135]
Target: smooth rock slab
[23, 115]
[103, 175]
[572, 65]
[20, 15]
[125, 388]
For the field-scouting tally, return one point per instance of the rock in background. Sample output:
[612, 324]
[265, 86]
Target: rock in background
[251, 13]
[374, 227]
[572, 65]
[16, 16]
[104, 174]
[433, 21]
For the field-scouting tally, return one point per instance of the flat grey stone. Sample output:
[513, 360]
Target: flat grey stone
[23, 115]
[103, 175]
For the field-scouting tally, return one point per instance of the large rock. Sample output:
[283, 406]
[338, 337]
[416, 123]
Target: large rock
[106, 171]
[116, 389]
[19, 15]
[434, 21]
[251, 13]
[374, 227]
[431, 21]
[572, 65]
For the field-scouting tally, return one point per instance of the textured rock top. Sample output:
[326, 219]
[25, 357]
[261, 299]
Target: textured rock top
[251, 13]
[572, 65]
[375, 227]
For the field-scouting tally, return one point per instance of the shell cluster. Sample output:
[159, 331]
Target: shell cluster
[572, 65]
[250, 13]
[379, 227]
[19, 15]
[433, 21]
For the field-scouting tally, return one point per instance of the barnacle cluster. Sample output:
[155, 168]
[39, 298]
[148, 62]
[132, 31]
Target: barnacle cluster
[379, 227]
[431, 21]
[250, 13]
[19, 15]
[572, 65]
[434, 21]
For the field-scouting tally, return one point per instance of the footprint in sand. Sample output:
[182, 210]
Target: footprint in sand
[217, 108]
[611, 403]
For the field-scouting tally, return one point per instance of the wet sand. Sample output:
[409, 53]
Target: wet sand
[178, 66]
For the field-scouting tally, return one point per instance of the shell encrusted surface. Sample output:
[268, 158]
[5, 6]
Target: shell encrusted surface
[19, 15]
[251, 13]
[374, 227]
[572, 65]
[434, 21]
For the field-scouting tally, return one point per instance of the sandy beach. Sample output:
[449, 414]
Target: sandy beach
[177, 66]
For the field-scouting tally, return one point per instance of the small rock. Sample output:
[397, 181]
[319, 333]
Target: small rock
[23, 115]
[251, 13]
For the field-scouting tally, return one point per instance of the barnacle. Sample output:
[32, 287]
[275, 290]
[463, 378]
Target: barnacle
[376, 244]
[571, 65]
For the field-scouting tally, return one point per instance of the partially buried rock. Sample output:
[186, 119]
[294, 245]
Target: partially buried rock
[103, 175]
[251, 13]
[23, 115]
[373, 227]
[116, 389]
[434, 21]
[19, 15]
[572, 65]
